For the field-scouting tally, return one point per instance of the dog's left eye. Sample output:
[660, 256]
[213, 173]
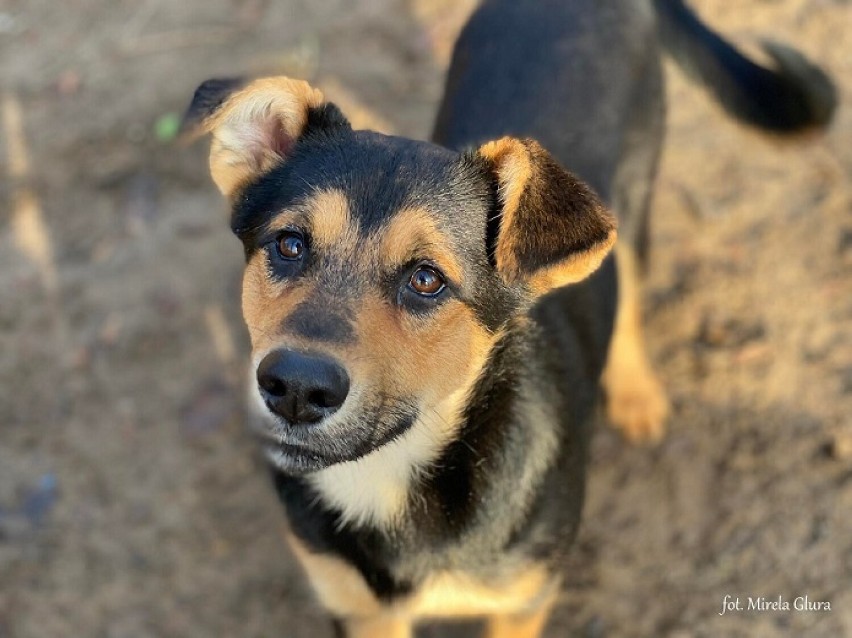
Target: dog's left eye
[290, 245]
[426, 281]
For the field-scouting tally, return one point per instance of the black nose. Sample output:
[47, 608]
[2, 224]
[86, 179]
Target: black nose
[302, 388]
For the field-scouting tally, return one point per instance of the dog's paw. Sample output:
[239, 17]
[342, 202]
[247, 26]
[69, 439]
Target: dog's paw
[637, 405]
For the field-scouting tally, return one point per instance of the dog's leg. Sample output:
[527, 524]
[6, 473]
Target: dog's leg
[525, 624]
[345, 595]
[636, 400]
[380, 626]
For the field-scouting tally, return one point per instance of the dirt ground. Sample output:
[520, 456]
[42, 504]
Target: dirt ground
[132, 503]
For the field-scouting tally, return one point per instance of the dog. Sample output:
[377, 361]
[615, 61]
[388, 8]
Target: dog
[431, 322]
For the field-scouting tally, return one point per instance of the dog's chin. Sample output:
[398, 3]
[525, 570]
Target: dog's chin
[296, 460]
[301, 452]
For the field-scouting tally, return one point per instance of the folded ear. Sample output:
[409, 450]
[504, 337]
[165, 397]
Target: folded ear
[551, 229]
[255, 124]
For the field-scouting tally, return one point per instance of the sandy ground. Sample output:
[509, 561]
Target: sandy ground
[131, 502]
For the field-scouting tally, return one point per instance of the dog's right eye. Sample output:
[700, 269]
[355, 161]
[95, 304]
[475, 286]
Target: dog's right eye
[426, 281]
[290, 245]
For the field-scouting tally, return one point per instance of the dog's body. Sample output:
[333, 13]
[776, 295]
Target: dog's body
[425, 372]
[584, 78]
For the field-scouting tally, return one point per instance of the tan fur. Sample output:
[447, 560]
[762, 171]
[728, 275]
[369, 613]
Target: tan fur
[325, 215]
[518, 602]
[338, 586]
[245, 128]
[525, 624]
[431, 355]
[380, 626]
[456, 595]
[410, 234]
[513, 165]
[331, 223]
[267, 302]
[636, 400]
[291, 218]
[575, 268]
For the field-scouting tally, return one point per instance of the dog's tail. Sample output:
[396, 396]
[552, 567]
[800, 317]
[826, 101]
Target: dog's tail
[794, 96]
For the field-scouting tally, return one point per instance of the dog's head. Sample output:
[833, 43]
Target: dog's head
[380, 270]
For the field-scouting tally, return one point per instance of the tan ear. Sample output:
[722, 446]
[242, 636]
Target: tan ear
[553, 230]
[254, 125]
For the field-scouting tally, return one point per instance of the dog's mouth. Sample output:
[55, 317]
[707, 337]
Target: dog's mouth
[294, 459]
[301, 450]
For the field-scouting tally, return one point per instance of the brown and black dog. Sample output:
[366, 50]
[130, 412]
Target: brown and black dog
[430, 326]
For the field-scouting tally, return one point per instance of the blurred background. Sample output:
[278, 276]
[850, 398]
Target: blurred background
[133, 505]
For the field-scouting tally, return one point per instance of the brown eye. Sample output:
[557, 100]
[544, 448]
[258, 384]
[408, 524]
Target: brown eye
[426, 281]
[291, 245]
